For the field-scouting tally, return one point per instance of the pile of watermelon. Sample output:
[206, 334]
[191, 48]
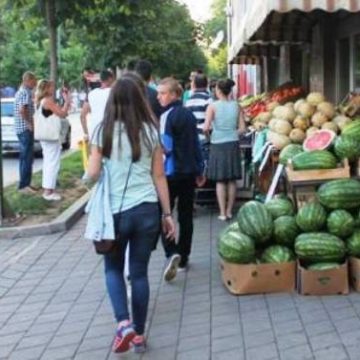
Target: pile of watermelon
[321, 234]
[259, 234]
[323, 149]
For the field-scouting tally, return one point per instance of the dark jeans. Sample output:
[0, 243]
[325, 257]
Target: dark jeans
[26, 157]
[183, 190]
[139, 227]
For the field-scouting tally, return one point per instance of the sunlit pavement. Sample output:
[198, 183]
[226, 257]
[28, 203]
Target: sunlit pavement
[53, 305]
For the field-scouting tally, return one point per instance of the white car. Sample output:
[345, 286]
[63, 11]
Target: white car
[10, 141]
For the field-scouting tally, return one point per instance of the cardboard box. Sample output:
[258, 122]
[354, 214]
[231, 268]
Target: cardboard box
[354, 274]
[258, 278]
[325, 282]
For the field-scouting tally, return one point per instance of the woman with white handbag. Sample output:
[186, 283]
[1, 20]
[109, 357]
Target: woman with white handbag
[47, 127]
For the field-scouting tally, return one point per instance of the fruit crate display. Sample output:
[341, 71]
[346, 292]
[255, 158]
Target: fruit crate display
[350, 105]
[323, 282]
[301, 177]
[242, 279]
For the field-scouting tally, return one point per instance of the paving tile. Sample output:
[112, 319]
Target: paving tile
[331, 353]
[264, 352]
[324, 340]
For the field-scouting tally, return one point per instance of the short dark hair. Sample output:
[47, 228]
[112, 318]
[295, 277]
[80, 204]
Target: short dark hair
[106, 75]
[200, 81]
[144, 69]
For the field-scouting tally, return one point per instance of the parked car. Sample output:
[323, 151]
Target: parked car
[10, 141]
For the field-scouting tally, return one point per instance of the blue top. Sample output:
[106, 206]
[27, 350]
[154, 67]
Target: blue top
[140, 187]
[225, 122]
[183, 157]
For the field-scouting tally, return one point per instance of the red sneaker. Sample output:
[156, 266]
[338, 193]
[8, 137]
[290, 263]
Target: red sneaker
[124, 335]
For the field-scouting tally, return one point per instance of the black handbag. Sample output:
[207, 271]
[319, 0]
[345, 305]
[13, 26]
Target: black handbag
[106, 246]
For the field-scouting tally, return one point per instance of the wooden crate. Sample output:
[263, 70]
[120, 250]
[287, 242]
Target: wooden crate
[342, 171]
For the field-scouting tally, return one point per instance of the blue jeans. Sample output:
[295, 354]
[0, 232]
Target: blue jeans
[139, 227]
[26, 157]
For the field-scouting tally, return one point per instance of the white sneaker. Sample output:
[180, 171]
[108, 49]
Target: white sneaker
[52, 197]
[172, 267]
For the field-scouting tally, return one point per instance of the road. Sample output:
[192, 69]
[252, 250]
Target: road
[11, 163]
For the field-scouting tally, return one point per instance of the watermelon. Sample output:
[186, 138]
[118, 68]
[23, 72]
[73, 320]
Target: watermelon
[313, 160]
[235, 247]
[347, 147]
[279, 207]
[286, 230]
[319, 140]
[340, 194]
[277, 254]
[319, 247]
[352, 129]
[288, 152]
[311, 217]
[353, 244]
[255, 221]
[323, 266]
[340, 223]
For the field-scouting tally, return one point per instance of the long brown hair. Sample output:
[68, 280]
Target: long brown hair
[128, 104]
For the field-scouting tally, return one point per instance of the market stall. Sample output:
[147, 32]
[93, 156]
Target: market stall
[309, 229]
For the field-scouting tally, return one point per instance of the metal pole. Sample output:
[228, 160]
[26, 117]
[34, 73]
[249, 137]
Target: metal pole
[2, 215]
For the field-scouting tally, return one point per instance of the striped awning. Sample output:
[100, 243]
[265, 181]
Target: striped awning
[260, 10]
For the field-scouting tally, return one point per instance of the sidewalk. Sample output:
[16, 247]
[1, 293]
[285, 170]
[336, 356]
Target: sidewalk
[53, 305]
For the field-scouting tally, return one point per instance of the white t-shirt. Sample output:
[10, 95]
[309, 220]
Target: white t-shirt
[97, 101]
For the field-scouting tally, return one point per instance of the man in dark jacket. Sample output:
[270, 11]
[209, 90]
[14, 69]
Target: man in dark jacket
[183, 167]
[144, 69]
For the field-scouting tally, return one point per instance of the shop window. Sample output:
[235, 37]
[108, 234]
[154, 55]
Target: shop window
[343, 68]
[357, 63]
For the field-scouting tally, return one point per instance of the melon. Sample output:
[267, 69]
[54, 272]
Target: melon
[272, 105]
[305, 109]
[311, 130]
[301, 123]
[341, 121]
[318, 119]
[284, 112]
[330, 126]
[282, 127]
[278, 140]
[327, 109]
[319, 140]
[272, 123]
[297, 136]
[298, 103]
[263, 117]
[315, 98]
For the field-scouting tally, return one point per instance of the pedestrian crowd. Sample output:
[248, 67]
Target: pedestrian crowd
[146, 155]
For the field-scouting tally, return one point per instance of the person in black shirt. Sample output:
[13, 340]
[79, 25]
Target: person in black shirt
[144, 69]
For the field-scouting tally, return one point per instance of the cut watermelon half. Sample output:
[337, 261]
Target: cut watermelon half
[319, 140]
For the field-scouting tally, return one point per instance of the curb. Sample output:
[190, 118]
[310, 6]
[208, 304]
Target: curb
[62, 223]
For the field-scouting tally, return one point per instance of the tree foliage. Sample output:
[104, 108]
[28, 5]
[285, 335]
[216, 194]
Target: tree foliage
[217, 58]
[96, 33]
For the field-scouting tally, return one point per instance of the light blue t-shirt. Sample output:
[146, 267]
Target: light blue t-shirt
[140, 187]
[225, 122]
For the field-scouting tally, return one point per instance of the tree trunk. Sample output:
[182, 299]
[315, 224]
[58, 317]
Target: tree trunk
[50, 12]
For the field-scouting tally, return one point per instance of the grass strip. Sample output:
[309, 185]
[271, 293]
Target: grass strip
[69, 178]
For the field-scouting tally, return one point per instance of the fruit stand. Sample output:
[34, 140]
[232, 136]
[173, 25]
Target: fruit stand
[310, 243]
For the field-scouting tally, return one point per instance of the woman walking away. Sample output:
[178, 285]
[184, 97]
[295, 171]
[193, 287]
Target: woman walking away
[51, 150]
[225, 119]
[127, 144]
